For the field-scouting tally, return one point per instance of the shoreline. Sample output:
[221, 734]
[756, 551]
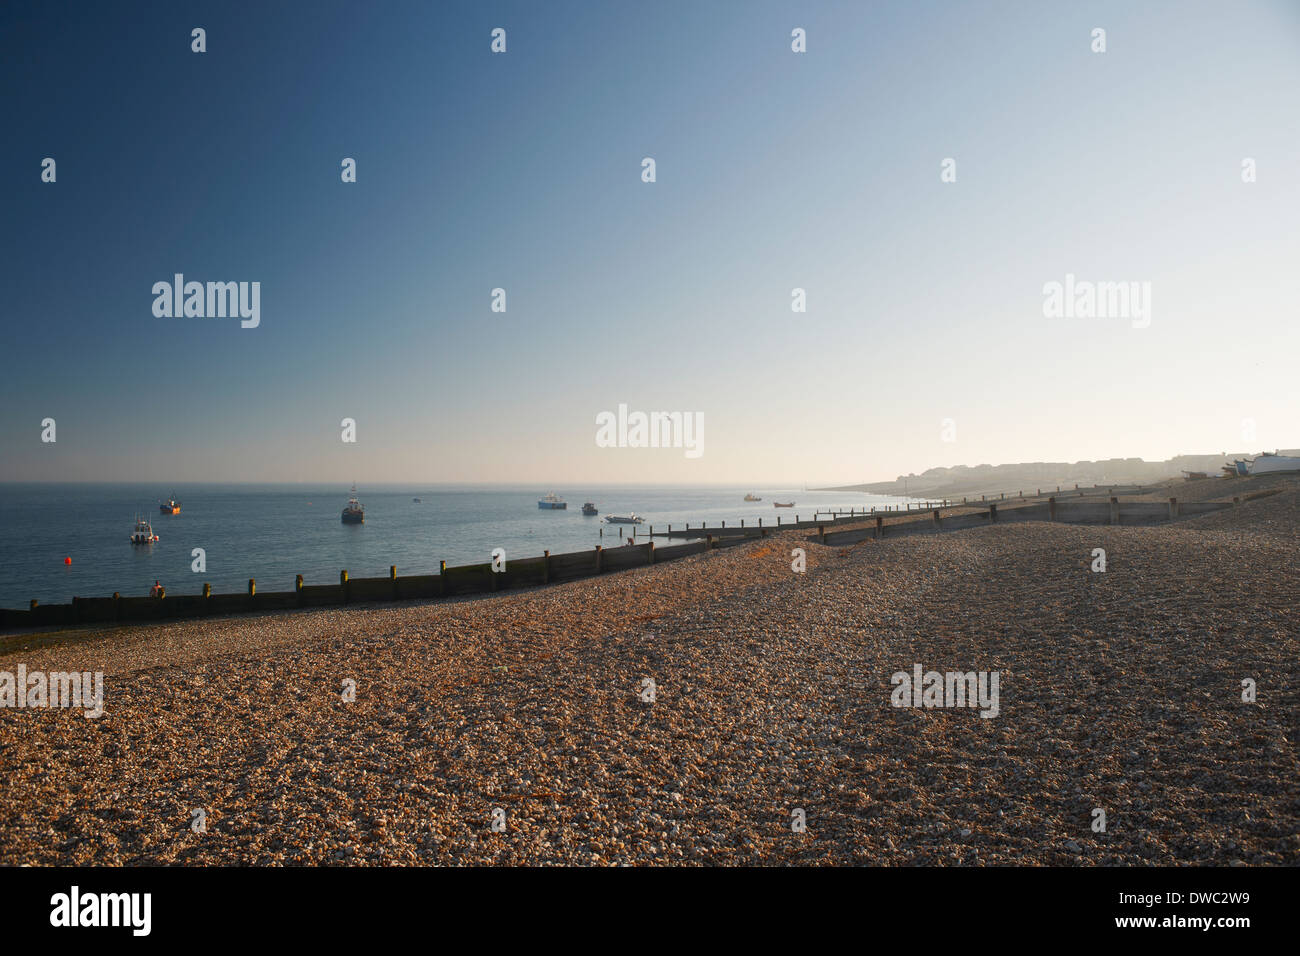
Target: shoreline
[1119, 691]
[548, 569]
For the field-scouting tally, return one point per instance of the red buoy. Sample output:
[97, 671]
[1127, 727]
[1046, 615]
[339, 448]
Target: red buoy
[67, 560]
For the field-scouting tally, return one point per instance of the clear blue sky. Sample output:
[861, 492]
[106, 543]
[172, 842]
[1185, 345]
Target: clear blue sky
[775, 170]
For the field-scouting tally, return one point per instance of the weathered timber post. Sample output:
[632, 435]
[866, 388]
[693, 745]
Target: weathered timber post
[1114, 510]
[347, 588]
[117, 606]
[1236, 500]
[650, 552]
[598, 550]
[1051, 508]
[252, 592]
[821, 533]
[297, 589]
[937, 522]
[207, 591]
[993, 514]
[546, 567]
[442, 578]
[708, 542]
[392, 576]
[1173, 508]
[880, 527]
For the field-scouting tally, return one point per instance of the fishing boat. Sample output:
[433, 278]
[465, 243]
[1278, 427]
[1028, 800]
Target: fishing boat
[588, 508]
[553, 501]
[418, 500]
[1242, 465]
[752, 497]
[143, 533]
[625, 519]
[354, 513]
[1271, 462]
[170, 506]
[783, 504]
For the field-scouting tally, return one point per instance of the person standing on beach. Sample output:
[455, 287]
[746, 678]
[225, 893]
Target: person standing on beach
[156, 590]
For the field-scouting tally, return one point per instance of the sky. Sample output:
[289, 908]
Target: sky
[924, 341]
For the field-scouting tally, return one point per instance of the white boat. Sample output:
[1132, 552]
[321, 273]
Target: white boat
[143, 533]
[625, 519]
[1268, 463]
[553, 501]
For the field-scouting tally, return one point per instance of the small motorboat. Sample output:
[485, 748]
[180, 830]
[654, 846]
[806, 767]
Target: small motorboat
[783, 504]
[588, 508]
[625, 519]
[143, 533]
[553, 501]
[354, 513]
[170, 506]
[418, 500]
[752, 497]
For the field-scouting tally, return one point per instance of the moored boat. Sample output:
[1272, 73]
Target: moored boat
[552, 501]
[170, 506]
[783, 504]
[354, 513]
[588, 508]
[752, 497]
[143, 533]
[631, 518]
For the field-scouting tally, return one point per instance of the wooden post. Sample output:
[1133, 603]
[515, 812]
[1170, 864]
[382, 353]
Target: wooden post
[207, 590]
[993, 514]
[937, 522]
[598, 550]
[117, 601]
[392, 576]
[297, 589]
[1051, 508]
[546, 567]
[821, 533]
[1236, 500]
[778, 521]
[442, 578]
[708, 542]
[1114, 510]
[880, 527]
[742, 523]
[1173, 508]
[252, 592]
[347, 591]
[650, 552]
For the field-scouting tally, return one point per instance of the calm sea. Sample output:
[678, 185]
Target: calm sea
[274, 532]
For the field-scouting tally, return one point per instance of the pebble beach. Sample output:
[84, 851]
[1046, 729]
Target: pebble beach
[1120, 691]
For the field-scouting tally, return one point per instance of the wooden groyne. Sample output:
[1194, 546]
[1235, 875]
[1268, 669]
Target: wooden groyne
[1054, 509]
[449, 582]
